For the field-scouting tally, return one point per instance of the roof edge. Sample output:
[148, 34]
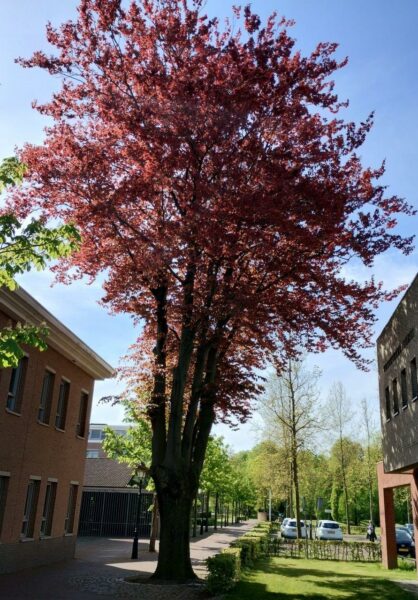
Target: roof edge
[23, 307]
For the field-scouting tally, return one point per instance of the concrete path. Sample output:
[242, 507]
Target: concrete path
[101, 565]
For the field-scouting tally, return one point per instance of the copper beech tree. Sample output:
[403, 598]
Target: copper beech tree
[220, 193]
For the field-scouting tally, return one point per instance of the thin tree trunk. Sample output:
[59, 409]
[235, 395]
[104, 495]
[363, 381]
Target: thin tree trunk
[345, 487]
[297, 493]
[154, 524]
[216, 510]
[207, 513]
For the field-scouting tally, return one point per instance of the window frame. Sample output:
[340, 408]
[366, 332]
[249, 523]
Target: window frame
[45, 404]
[48, 509]
[30, 508]
[71, 507]
[81, 428]
[4, 489]
[404, 389]
[395, 398]
[14, 398]
[388, 404]
[91, 451]
[414, 379]
[62, 404]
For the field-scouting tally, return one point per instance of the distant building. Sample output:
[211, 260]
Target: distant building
[397, 354]
[109, 504]
[43, 438]
[96, 437]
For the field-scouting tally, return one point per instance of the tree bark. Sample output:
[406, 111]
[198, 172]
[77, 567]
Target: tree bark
[154, 524]
[174, 562]
[216, 510]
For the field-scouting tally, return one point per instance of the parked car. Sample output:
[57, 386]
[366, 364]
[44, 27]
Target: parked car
[290, 530]
[410, 528]
[284, 523]
[404, 542]
[328, 530]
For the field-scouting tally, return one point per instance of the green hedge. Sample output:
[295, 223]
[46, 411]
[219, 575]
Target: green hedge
[326, 550]
[224, 570]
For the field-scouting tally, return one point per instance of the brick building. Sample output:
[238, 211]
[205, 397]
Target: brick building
[397, 354]
[43, 439]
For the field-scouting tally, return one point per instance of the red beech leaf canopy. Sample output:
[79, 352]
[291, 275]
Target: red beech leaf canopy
[181, 146]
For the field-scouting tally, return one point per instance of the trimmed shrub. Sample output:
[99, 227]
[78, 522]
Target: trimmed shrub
[224, 570]
[326, 550]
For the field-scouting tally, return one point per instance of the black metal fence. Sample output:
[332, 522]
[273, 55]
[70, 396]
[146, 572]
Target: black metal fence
[107, 513]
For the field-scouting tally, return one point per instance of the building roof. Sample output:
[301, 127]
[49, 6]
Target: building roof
[105, 472]
[20, 306]
[408, 291]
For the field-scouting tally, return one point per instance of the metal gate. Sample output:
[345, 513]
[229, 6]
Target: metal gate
[106, 513]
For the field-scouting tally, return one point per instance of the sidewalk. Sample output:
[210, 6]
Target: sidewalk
[101, 565]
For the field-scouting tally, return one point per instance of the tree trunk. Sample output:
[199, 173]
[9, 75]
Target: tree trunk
[216, 510]
[207, 513]
[347, 511]
[297, 496]
[174, 555]
[154, 524]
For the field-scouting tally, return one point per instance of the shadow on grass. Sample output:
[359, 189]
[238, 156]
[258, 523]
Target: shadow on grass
[320, 585]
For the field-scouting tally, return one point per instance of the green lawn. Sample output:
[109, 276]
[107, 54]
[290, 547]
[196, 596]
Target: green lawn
[299, 579]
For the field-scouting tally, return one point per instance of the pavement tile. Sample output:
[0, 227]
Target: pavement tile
[101, 566]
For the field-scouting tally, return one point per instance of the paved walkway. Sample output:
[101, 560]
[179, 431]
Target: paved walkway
[101, 566]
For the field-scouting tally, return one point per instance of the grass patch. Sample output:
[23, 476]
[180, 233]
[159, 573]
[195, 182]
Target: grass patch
[300, 579]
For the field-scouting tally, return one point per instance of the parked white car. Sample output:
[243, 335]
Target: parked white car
[284, 523]
[329, 530]
[290, 530]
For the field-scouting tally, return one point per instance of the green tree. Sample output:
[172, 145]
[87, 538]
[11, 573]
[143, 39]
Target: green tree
[290, 409]
[22, 248]
[134, 449]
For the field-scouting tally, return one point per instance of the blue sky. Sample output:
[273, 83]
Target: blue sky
[378, 36]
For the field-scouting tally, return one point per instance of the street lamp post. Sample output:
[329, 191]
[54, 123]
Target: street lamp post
[137, 480]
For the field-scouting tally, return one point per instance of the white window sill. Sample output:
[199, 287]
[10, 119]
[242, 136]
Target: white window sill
[13, 412]
[27, 539]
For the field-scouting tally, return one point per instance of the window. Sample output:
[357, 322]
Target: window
[69, 519]
[120, 431]
[48, 512]
[387, 403]
[82, 414]
[46, 397]
[62, 405]
[95, 434]
[30, 508]
[404, 389]
[4, 484]
[395, 396]
[414, 379]
[17, 382]
[92, 454]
